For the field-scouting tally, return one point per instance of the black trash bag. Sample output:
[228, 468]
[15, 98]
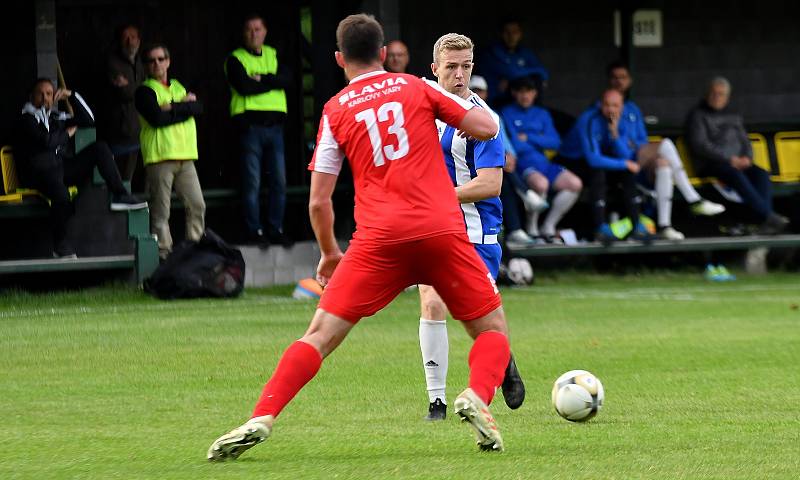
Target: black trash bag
[206, 268]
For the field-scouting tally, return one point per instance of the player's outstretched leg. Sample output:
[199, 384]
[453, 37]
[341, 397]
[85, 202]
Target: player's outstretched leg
[474, 411]
[297, 366]
[240, 439]
[488, 359]
[513, 388]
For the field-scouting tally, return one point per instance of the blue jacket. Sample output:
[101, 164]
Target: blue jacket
[537, 124]
[508, 147]
[590, 139]
[499, 63]
[632, 123]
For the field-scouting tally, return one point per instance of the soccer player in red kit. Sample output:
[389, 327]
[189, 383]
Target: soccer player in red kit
[409, 230]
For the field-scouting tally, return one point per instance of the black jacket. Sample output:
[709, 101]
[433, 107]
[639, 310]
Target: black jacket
[120, 123]
[36, 146]
[244, 85]
[714, 136]
[147, 105]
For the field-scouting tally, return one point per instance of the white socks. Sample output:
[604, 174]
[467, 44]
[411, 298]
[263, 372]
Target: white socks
[533, 223]
[664, 196]
[434, 347]
[666, 149]
[562, 202]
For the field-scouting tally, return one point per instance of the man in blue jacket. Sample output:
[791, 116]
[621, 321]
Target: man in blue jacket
[532, 132]
[599, 151]
[507, 59]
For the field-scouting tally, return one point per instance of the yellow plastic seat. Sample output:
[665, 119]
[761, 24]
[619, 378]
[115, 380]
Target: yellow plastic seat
[787, 150]
[760, 151]
[13, 192]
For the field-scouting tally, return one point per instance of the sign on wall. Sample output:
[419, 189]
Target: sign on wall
[647, 28]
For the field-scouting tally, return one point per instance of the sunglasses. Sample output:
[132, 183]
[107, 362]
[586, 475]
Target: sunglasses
[156, 59]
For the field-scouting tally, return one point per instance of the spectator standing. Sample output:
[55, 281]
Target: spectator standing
[532, 132]
[596, 151]
[258, 77]
[397, 57]
[124, 73]
[169, 148]
[46, 161]
[660, 162]
[720, 148]
[507, 59]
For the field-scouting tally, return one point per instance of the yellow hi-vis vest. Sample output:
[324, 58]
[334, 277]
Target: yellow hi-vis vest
[173, 142]
[267, 63]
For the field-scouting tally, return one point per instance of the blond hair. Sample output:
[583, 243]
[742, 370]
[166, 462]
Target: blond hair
[451, 41]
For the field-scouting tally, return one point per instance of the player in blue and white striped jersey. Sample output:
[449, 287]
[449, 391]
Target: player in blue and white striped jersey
[476, 168]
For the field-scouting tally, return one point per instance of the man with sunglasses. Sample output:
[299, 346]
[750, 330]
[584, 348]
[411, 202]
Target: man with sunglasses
[169, 147]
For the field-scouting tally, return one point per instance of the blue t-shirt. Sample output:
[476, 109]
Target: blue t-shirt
[463, 159]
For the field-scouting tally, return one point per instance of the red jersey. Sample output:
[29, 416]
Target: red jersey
[384, 123]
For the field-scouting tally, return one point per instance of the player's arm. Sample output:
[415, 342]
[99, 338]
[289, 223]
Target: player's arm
[486, 184]
[453, 110]
[479, 124]
[320, 210]
[325, 167]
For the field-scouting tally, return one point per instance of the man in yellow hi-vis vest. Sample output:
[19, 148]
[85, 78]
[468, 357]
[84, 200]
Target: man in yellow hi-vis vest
[168, 141]
[258, 107]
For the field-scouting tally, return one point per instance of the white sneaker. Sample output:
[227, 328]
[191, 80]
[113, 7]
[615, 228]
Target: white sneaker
[669, 233]
[519, 239]
[534, 202]
[471, 409]
[704, 207]
[240, 439]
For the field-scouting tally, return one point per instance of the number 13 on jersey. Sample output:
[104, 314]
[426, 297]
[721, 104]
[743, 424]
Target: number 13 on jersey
[380, 152]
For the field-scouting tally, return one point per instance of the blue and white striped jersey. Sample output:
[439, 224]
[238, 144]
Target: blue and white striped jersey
[463, 159]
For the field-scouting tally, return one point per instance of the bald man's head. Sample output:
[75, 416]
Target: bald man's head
[611, 104]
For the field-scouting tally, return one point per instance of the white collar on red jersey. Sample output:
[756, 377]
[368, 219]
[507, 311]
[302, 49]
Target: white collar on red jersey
[366, 75]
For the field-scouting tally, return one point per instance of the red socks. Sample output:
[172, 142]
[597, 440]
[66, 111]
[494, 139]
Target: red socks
[298, 365]
[488, 360]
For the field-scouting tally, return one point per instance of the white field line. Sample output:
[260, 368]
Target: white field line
[180, 307]
[752, 293]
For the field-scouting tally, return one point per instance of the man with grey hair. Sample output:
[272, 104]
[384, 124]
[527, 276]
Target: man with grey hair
[720, 148]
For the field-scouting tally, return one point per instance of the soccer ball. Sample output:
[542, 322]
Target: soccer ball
[520, 271]
[578, 395]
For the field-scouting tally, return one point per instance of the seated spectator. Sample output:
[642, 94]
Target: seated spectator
[506, 60]
[660, 162]
[46, 161]
[514, 191]
[532, 132]
[596, 151]
[169, 148]
[397, 57]
[720, 148]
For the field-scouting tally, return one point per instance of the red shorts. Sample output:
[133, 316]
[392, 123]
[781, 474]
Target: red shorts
[371, 275]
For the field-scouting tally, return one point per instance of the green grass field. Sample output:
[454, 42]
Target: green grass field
[701, 381]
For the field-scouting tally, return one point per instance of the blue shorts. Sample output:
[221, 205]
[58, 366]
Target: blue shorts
[490, 254]
[551, 171]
